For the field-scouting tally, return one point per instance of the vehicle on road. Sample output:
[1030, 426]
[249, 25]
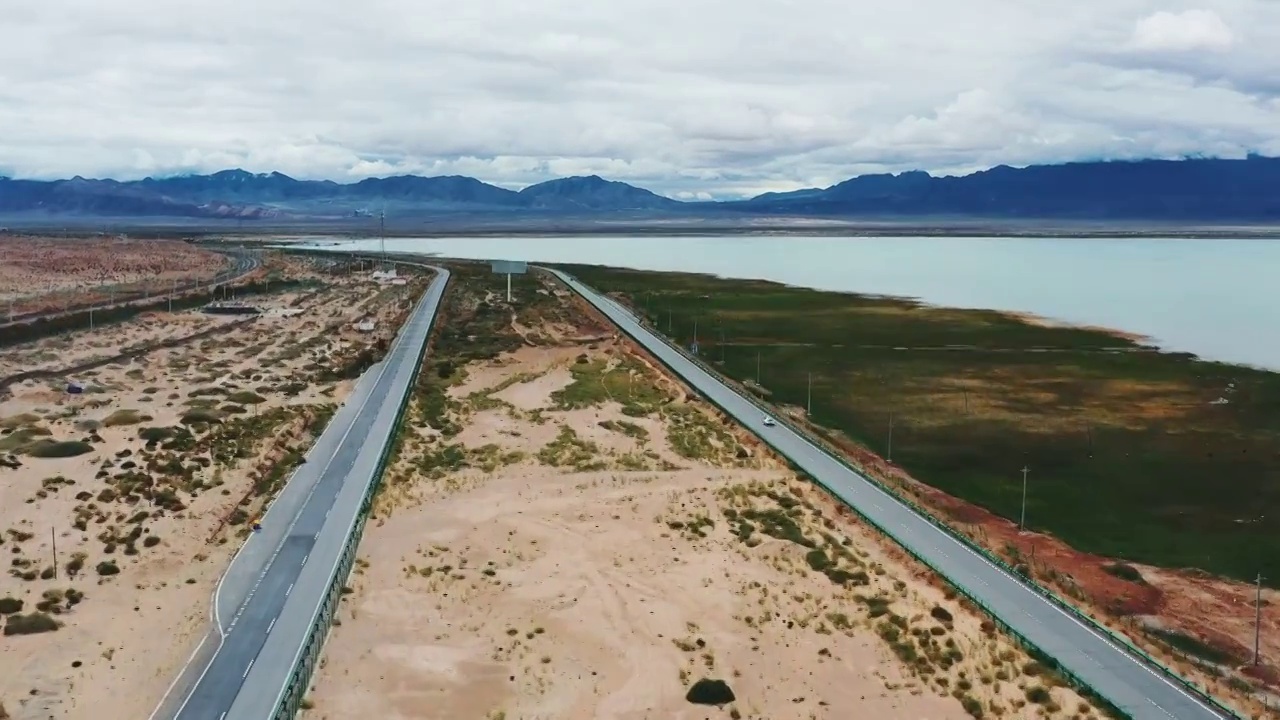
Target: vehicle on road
[768, 421]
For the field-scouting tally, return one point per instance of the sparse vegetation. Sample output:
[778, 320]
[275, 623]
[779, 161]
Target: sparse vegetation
[30, 624]
[1083, 408]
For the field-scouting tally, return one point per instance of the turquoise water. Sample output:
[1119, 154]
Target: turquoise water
[1214, 298]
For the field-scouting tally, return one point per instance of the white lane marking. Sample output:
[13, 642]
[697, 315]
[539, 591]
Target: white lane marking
[304, 558]
[179, 677]
[432, 299]
[273, 624]
[248, 668]
[217, 591]
[289, 590]
[223, 715]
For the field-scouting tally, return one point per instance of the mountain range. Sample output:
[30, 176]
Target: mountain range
[1243, 190]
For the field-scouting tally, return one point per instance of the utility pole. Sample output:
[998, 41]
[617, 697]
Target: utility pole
[808, 406]
[1257, 623]
[53, 535]
[695, 332]
[382, 235]
[889, 455]
[1022, 519]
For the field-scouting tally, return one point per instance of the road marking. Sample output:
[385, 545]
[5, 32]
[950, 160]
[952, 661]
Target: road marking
[432, 298]
[289, 590]
[273, 624]
[304, 558]
[248, 668]
[223, 715]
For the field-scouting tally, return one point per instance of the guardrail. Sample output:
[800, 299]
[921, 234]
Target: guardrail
[1116, 639]
[290, 701]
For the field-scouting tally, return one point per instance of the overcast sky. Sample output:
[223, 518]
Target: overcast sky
[685, 97]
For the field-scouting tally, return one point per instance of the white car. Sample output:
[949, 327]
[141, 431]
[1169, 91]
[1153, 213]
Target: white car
[768, 421]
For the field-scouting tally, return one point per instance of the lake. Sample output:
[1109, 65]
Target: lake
[1210, 297]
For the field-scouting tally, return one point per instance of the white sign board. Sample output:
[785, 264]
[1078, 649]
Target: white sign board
[509, 267]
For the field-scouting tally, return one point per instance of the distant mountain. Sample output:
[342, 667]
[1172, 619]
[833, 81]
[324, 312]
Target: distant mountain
[1202, 189]
[595, 193]
[1245, 190]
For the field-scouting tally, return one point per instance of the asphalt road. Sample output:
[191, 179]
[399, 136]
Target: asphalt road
[1126, 681]
[270, 566]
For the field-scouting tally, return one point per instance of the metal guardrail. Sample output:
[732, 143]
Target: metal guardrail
[290, 701]
[1116, 639]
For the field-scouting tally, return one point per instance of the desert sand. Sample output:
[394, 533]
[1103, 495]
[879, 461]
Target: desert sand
[43, 274]
[181, 446]
[559, 558]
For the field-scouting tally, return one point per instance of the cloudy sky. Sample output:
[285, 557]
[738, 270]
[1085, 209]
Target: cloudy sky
[686, 97]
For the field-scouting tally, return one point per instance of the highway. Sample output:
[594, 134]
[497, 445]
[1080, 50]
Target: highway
[242, 263]
[288, 563]
[1130, 684]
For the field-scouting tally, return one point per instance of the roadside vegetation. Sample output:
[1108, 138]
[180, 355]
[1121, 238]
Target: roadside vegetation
[1152, 457]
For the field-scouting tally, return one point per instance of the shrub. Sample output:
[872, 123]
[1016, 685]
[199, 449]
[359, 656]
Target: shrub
[940, 614]
[710, 692]
[10, 605]
[151, 541]
[1038, 695]
[245, 397]
[155, 434]
[124, 417]
[971, 705]
[36, 622]
[200, 415]
[58, 449]
[1125, 572]
[108, 567]
[75, 564]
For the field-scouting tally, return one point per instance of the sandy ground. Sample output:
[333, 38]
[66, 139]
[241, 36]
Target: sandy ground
[46, 273]
[517, 588]
[1216, 611]
[134, 629]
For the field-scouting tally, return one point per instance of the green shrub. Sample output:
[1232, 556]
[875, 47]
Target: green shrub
[201, 415]
[108, 567]
[710, 692]
[10, 605]
[245, 397]
[58, 448]
[155, 434]
[1125, 571]
[1038, 695]
[125, 417]
[36, 622]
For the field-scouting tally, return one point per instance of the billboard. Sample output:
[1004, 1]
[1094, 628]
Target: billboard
[509, 267]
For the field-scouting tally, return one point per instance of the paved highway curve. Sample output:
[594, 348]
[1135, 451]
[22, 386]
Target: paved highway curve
[249, 604]
[1130, 684]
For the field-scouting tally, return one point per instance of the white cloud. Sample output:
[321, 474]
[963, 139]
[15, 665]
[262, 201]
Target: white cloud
[1181, 32]
[686, 98]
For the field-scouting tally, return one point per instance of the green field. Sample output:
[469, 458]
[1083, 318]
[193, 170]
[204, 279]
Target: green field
[1129, 454]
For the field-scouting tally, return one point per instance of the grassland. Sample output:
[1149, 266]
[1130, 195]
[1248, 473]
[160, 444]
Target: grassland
[1153, 457]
